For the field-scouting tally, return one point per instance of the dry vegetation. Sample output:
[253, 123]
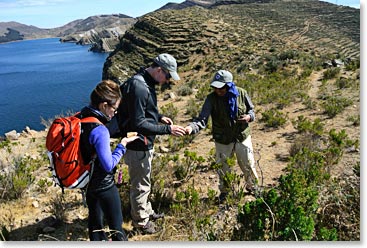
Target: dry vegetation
[276, 51]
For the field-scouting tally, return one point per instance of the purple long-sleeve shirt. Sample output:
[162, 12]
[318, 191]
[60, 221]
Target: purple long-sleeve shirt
[100, 139]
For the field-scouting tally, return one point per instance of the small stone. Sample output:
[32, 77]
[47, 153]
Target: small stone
[35, 204]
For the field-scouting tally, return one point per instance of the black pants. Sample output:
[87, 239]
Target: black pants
[105, 204]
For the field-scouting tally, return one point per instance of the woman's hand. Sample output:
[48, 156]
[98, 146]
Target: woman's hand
[127, 140]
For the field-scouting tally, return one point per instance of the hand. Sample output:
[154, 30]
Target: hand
[127, 140]
[244, 118]
[177, 130]
[166, 120]
[188, 130]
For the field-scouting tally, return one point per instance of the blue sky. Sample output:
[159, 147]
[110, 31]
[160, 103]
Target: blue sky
[56, 13]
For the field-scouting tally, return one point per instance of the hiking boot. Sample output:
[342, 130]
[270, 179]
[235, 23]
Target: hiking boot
[156, 216]
[149, 228]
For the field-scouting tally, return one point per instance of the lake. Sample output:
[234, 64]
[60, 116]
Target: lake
[44, 78]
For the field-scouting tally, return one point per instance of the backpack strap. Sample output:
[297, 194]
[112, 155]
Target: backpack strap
[90, 119]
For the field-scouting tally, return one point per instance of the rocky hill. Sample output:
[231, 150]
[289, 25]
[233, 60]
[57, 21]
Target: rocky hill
[300, 63]
[102, 32]
[12, 31]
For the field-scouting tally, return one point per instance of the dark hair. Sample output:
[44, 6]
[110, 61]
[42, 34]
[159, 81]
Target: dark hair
[106, 91]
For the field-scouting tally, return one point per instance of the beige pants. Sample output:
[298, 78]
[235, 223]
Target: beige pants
[140, 168]
[245, 159]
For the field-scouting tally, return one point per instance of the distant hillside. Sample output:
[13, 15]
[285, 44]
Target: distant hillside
[97, 23]
[188, 3]
[101, 30]
[12, 31]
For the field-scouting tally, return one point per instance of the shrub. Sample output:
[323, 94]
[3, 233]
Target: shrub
[169, 110]
[184, 90]
[331, 73]
[15, 182]
[273, 118]
[290, 211]
[335, 105]
[303, 125]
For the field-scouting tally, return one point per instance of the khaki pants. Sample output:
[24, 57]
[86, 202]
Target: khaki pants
[140, 168]
[245, 159]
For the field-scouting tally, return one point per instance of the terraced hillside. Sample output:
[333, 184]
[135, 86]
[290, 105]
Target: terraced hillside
[237, 33]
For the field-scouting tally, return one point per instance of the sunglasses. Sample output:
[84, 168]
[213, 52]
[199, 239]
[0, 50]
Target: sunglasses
[168, 75]
[113, 108]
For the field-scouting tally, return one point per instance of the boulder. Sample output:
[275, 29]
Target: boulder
[12, 135]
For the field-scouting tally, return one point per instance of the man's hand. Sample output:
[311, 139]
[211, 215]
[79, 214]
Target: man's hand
[166, 120]
[177, 130]
[244, 118]
[188, 129]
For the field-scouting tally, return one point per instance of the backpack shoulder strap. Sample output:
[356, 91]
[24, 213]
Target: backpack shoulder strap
[90, 119]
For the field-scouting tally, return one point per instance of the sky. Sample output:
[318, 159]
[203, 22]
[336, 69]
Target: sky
[56, 13]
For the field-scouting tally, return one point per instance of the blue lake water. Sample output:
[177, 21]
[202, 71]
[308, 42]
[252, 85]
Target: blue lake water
[44, 78]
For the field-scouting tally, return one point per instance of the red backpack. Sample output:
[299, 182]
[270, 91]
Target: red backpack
[66, 162]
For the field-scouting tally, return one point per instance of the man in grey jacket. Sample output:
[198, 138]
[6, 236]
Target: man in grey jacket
[231, 110]
[138, 112]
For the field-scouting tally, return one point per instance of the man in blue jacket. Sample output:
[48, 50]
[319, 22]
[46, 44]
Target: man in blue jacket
[138, 112]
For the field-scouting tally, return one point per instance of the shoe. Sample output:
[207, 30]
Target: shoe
[156, 216]
[149, 228]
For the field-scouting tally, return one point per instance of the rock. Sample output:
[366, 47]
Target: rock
[12, 135]
[29, 131]
[35, 204]
[172, 95]
[163, 149]
[337, 62]
[166, 97]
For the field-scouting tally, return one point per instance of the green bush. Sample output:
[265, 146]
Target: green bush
[273, 118]
[331, 73]
[334, 105]
[17, 180]
[303, 125]
[290, 211]
[170, 111]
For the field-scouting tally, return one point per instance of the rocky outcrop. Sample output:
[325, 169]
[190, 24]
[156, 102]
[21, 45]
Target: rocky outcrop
[102, 32]
[11, 35]
[100, 41]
